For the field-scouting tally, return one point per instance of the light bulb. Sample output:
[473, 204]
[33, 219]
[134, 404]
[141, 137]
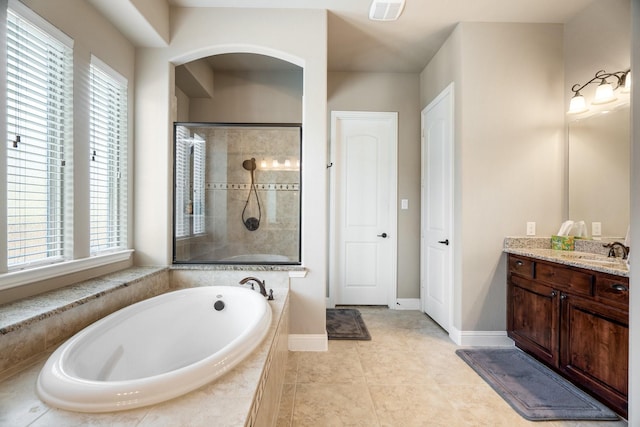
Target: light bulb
[604, 93]
[577, 105]
[287, 163]
[263, 164]
[275, 163]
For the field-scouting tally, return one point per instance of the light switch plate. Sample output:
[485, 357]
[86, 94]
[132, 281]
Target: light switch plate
[404, 204]
[596, 228]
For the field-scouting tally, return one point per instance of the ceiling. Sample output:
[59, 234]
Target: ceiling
[357, 44]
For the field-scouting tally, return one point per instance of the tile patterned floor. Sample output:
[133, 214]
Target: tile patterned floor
[407, 375]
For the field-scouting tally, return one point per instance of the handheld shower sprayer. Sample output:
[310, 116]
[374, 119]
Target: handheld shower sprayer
[251, 223]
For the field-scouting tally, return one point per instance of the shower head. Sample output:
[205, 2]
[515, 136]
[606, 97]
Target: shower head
[249, 164]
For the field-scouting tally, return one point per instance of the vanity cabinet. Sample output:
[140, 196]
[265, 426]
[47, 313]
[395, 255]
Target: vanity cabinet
[574, 320]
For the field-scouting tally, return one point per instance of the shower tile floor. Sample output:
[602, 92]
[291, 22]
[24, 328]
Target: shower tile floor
[407, 375]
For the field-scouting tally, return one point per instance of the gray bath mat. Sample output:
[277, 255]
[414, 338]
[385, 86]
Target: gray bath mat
[346, 324]
[533, 390]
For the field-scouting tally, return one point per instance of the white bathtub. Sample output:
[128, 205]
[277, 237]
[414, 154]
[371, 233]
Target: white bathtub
[155, 350]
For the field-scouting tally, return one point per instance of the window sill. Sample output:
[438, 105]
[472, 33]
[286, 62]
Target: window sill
[23, 277]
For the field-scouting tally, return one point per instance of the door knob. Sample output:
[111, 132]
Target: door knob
[383, 235]
[444, 242]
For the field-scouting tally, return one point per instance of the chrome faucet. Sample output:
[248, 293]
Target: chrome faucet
[260, 283]
[612, 249]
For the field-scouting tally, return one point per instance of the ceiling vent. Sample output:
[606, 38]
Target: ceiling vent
[386, 10]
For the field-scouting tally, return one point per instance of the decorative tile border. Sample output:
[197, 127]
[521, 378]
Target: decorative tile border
[245, 186]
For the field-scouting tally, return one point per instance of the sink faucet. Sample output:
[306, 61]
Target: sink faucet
[263, 290]
[612, 249]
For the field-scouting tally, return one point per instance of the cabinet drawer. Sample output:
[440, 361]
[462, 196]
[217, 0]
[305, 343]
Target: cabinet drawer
[521, 266]
[613, 289]
[562, 278]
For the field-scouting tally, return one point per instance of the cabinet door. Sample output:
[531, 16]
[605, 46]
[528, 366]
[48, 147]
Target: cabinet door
[533, 319]
[595, 348]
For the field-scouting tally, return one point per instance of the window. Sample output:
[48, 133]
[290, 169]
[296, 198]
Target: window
[108, 151]
[39, 128]
[190, 157]
[199, 158]
[182, 182]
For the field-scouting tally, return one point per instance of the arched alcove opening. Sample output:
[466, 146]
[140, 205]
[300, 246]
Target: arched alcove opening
[237, 142]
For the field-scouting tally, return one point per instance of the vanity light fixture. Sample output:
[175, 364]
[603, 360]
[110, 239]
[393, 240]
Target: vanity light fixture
[605, 92]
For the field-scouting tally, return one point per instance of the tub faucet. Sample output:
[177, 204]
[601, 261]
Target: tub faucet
[612, 249]
[263, 290]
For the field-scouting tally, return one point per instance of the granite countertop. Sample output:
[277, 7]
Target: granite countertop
[590, 254]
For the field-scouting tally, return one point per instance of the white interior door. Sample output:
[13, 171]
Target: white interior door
[437, 239]
[363, 216]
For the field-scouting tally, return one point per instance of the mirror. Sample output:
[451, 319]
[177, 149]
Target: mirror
[599, 170]
[237, 193]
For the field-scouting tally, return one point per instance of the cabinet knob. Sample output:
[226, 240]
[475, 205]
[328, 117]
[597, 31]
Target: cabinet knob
[553, 294]
[619, 287]
[563, 296]
[519, 263]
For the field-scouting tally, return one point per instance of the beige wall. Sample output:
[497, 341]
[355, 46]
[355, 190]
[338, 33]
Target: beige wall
[598, 38]
[508, 152]
[586, 52]
[251, 97]
[91, 34]
[397, 92]
[297, 36]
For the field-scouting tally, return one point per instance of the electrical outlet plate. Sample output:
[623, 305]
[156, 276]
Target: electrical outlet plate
[531, 228]
[596, 228]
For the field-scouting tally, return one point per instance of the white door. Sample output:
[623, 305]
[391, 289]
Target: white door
[437, 239]
[363, 210]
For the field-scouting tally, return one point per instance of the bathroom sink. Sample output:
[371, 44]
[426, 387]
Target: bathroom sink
[602, 261]
[594, 259]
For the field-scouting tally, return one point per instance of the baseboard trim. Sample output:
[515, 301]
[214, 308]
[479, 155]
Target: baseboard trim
[407, 304]
[481, 338]
[308, 342]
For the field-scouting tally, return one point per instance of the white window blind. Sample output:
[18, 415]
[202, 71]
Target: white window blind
[182, 184]
[39, 126]
[199, 158]
[108, 163]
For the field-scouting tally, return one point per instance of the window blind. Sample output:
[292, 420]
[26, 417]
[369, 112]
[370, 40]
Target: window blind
[108, 151]
[182, 182]
[39, 125]
[198, 184]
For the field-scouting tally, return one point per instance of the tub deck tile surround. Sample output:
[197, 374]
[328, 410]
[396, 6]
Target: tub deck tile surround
[229, 401]
[35, 325]
[25, 312]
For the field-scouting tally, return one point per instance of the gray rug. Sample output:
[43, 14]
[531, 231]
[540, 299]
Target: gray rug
[346, 324]
[533, 390]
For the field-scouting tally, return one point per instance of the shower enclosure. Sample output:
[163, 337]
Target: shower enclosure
[236, 193]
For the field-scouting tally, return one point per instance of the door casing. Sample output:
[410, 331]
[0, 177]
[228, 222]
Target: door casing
[448, 284]
[332, 288]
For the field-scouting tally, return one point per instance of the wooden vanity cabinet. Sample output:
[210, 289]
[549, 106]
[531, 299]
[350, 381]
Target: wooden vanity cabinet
[574, 320]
